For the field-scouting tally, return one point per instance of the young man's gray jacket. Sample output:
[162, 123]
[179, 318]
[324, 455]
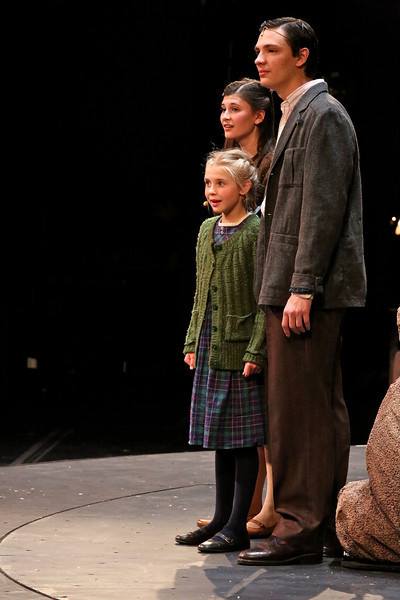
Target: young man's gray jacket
[311, 236]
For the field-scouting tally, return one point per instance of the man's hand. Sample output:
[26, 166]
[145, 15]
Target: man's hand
[189, 359]
[296, 315]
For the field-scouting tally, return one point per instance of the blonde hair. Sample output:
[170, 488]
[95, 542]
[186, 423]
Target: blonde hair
[239, 166]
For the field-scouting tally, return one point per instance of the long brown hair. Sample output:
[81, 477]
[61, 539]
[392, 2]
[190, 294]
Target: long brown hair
[258, 97]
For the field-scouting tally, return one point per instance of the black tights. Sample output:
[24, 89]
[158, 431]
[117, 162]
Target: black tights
[235, 477]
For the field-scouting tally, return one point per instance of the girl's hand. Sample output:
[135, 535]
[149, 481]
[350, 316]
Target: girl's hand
[189, 359]
[250, 369]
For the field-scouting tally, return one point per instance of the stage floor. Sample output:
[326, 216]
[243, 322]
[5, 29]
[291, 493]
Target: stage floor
[103, 529]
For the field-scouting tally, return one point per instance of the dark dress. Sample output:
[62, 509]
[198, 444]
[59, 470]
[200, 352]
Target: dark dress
[228, 409]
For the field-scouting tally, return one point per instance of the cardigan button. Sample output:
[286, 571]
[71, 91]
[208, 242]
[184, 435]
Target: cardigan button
[214, 347]
[215, 306]
[214, 288]
[214, 328]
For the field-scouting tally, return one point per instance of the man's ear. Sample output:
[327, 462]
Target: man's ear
[302, 56]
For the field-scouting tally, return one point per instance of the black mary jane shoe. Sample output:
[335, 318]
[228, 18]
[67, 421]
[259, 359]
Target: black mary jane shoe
[193, 538]
[223, 543]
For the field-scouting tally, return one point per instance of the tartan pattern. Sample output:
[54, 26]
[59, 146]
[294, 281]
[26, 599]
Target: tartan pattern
[227, 409]
[223, 233]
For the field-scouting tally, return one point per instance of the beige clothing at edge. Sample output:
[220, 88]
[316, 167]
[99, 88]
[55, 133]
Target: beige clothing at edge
[368, 511]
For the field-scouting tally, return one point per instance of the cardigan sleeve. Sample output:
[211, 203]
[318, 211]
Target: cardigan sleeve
[190, 340]
[255, 351]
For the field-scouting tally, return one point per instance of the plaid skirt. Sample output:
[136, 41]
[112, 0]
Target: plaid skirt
[227, 409]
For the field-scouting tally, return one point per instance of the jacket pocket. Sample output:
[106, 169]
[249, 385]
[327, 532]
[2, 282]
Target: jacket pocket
[293, 167]
[238, 328]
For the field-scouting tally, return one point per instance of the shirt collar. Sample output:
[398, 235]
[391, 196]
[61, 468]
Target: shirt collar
[288, 105]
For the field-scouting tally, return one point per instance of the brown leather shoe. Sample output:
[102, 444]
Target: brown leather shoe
[203, 522]
[276, 551]
[257, 529]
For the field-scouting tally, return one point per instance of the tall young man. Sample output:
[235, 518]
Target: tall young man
[310, 268]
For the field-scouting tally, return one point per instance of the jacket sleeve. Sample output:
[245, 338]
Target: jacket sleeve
[331, 162]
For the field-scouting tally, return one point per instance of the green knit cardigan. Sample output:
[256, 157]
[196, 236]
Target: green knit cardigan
[225, 273]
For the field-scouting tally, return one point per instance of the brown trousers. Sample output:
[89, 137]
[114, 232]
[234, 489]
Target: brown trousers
[309, 433]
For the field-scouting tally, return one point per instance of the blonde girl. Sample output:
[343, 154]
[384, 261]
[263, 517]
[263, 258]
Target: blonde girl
[225, 344]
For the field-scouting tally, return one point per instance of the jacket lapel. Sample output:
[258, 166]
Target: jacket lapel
[294, 118]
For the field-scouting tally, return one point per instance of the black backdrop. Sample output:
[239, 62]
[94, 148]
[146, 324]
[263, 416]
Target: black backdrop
[113, 108]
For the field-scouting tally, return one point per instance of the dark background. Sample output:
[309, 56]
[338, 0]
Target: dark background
[113, 107]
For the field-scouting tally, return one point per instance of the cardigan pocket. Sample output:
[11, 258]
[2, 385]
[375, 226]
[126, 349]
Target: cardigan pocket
[238, 328]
